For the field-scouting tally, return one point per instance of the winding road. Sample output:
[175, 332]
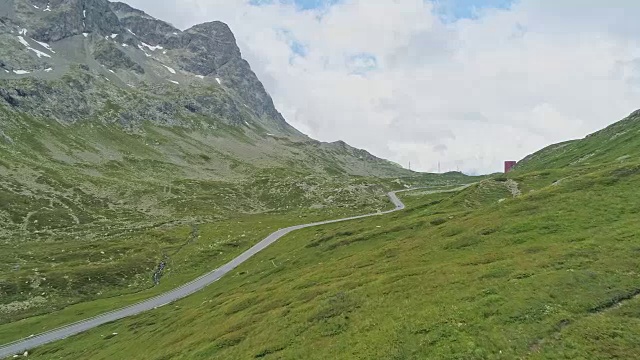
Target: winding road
[20, 346]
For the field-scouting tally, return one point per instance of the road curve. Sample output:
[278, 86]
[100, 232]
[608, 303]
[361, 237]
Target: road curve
[20, 346]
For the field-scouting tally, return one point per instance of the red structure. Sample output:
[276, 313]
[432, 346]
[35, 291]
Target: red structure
[508, 166]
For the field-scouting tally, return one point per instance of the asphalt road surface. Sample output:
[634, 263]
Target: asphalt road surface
[20, 346]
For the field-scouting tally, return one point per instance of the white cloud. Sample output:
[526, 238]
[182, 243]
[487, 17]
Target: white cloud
[393, 78]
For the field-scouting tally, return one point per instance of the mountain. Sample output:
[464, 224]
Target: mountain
[96, 63]
[126, 171]
[126, 143]
[101, 103]
[91, 45]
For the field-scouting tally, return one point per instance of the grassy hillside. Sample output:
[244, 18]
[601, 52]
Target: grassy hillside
[617, 143]
[539, 264]
[88, 211]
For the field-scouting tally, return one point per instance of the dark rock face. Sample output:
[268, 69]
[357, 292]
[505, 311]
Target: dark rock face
[122, 10]
[109, 55]
[79, 97]
[73, 17]
[99, 17]
[9, 97]
[214, 52]
[211, 46]
[150, 30]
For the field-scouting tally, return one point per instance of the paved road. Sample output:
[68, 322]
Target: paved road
[185, 290]
[20, 346]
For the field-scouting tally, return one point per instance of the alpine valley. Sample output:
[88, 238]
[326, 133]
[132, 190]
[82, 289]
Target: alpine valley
[134, 156]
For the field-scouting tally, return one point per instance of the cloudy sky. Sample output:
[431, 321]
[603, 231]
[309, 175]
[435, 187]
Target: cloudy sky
[467, 83]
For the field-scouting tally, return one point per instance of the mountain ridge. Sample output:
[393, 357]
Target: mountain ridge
[87, 60]
[205, 50]
[614, 143]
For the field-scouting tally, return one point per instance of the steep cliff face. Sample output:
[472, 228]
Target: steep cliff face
[147, 28]
[51, 21]
[213, 52]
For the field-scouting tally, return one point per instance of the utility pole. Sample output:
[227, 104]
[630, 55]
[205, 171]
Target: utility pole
[409, 165]
[438, 167]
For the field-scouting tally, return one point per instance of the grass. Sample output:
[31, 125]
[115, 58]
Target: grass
[89, 211]
[614, 144]
[479, 273]
[80, 281]
[462, 275]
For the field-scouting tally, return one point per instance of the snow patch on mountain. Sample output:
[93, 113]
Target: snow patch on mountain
[152, 48]
[28, 46]
[171, 70]
[45, 45]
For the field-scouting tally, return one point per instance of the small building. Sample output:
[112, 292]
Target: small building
[509, 165]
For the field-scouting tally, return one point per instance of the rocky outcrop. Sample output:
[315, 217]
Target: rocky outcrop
[67, 18]
[213, 51]
[211, 46]
[110, 55]
[147, 28]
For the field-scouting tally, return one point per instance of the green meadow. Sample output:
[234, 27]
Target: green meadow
[540, 263]
[474, 274]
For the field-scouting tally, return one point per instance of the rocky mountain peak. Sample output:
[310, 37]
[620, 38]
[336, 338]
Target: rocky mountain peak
[213, 45]
[92, 82]
[147, 28]
[123, 10]
[115, 46]
[51, 21]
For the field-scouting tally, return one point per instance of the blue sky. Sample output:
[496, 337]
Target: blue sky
[450, 9]
[456, 9]
[314, 4]
[302, 4]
